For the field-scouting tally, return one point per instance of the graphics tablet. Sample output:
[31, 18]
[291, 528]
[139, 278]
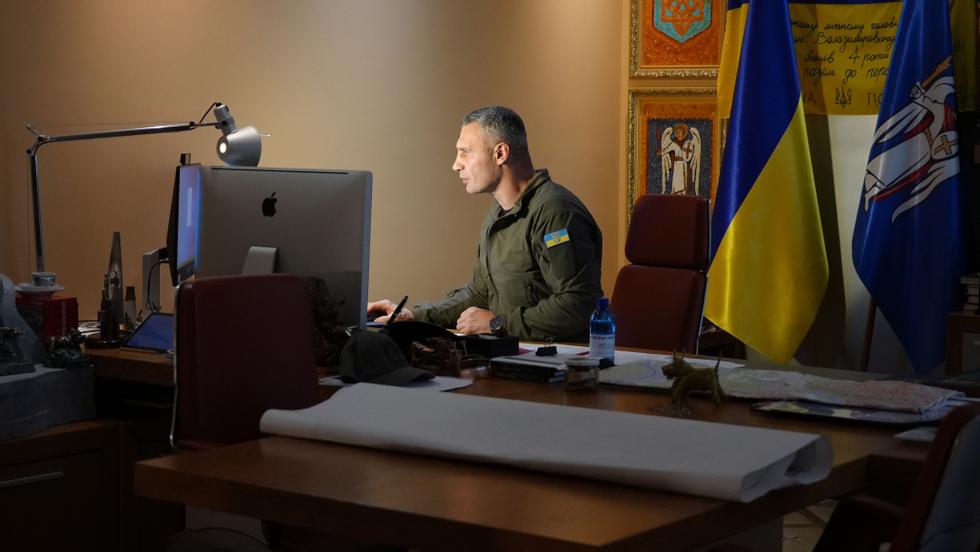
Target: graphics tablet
[155, 333]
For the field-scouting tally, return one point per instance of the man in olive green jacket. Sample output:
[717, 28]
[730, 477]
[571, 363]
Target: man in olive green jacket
[537, 273]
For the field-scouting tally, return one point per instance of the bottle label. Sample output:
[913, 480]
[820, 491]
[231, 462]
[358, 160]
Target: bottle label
[602, 346]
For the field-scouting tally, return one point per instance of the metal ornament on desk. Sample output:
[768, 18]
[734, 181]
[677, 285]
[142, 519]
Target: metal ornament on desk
[19, 347]
[111, 308]
[108, 336]
[116, 278]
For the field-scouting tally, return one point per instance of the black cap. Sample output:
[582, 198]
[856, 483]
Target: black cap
[373, 357]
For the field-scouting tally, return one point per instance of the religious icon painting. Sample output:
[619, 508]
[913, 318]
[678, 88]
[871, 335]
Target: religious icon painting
[673, 143]
[675, 38]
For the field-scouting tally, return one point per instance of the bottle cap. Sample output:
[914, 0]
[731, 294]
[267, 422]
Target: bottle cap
[602, 302]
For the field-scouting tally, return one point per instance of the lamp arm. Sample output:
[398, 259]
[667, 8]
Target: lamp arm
[154, 129]
[45, 139]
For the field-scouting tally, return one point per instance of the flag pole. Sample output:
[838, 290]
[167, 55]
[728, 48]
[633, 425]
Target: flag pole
[869, 330]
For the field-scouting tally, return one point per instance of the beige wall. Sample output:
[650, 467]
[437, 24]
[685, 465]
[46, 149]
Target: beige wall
[362, 84]
[851, 138]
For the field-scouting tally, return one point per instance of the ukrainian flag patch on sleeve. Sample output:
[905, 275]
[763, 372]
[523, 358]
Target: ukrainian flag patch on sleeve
[558, 237]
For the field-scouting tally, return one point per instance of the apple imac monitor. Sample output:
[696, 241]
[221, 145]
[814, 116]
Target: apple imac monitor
[182, 233]
[317, 221]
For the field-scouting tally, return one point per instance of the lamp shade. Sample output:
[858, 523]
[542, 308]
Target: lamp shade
[242, 147]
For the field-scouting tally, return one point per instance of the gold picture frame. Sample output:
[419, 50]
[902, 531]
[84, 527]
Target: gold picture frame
[663, 157]
[680, 40]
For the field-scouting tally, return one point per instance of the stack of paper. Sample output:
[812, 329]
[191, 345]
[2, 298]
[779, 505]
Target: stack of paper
[708, 459]
[530, 367]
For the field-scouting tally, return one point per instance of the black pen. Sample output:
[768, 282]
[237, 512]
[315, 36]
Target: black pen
[398, 309]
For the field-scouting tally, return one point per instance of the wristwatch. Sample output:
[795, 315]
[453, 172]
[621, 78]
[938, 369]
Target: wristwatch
[498, 325]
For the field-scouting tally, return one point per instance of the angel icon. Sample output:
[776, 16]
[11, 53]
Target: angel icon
[680, 154]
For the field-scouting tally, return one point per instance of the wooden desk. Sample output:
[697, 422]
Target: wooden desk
[59, 489]
[134, 391]
[133, 366]
[440, 504]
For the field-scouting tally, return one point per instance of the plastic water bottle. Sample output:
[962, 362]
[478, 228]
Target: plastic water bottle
[602, 332]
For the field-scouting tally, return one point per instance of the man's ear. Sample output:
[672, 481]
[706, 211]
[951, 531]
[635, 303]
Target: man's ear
[501, 153]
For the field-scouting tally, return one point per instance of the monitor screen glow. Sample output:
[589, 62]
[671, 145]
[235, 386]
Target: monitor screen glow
[188, 197]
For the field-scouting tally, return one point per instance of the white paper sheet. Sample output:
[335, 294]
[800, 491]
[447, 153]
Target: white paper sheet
[438, 383]
[708, 459]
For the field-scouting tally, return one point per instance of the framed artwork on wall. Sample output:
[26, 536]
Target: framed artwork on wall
[673, 144]
[679, 39]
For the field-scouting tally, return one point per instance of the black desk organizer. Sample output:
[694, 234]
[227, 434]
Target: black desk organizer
[490, 345]
[407, 331]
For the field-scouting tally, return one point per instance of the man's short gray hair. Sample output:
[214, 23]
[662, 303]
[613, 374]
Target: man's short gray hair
[502, 124]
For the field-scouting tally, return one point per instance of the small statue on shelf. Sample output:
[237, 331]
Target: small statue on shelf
[8, 343]
[12, 359]
[66, 351]
[688, 378]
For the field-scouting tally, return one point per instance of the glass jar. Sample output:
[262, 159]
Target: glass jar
[581, 374]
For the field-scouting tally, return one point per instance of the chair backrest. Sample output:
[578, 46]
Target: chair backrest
[943, 511]
[658, 298]
[244, 344]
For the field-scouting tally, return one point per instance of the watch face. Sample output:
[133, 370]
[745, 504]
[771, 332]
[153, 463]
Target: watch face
[496, 324]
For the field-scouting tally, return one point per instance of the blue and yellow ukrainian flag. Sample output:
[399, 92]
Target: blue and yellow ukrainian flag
[769, 270]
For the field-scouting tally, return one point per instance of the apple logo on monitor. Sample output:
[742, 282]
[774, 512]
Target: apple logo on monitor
[269, 205]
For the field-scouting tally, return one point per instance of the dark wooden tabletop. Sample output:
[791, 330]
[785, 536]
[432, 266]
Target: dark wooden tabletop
[441, 504]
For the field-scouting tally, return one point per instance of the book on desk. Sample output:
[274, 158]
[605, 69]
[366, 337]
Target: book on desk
[530, 367]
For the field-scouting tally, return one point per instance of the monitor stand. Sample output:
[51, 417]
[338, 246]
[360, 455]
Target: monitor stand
[151, 276]
[260, 260]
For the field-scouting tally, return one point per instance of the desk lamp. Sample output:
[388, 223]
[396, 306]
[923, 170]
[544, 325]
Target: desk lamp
[237, 146]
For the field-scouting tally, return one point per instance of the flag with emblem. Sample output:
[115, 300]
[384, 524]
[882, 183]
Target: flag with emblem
[768, 273]
[908, 239]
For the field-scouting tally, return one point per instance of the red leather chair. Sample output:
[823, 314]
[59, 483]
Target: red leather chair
[244, 344]
[658, 298]
[943, 509]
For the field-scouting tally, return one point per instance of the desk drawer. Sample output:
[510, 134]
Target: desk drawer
[57, 504]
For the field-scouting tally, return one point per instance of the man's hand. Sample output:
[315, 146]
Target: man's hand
[474, 321]
[385, 308]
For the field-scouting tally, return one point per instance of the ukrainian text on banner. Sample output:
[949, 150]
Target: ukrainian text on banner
[842, 51]
[908, 238]
[768, 272]
[843, 48]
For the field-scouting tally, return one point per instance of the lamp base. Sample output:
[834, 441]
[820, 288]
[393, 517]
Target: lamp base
[95, 341]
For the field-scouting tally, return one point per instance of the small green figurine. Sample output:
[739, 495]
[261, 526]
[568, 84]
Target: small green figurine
[66, 352]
